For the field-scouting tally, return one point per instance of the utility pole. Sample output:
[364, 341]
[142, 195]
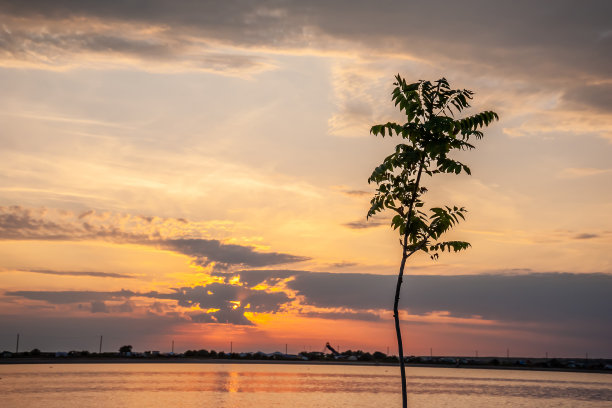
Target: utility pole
[172, 346]
[286, 349]
[508, 353]
[387, 350]
[431, 352]
[100, 349]
[17, 346]
[231, 347]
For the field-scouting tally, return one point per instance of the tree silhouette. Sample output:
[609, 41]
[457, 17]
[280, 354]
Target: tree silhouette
[430, 133]
[125, 349]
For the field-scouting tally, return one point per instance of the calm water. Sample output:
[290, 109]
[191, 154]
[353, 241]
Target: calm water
[280, 385]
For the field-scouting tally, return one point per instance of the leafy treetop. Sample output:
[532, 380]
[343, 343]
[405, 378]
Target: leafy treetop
[430, 134]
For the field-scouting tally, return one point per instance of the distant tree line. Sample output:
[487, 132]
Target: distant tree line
[347, 356]
[358, 355]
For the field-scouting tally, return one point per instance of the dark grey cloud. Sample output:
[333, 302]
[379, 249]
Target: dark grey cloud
[519, 38]
[85, 214]
[209, 250]
[530, 297]
[213, 296]
[562, 48]
[510, 296]
[597, 97]
[71, 296]
[570, 300]
[125, 307]
[59, 44]
[364, 316]
[159, 308]
[356, 193]
[572, 305]
[243, 21]
[363, 224]
[220, 295]
[98, 306]
[19, 223]
[355, 291]
[80, 273]
[226, 62]
[19, 44]
[344, 264]
[586, 236]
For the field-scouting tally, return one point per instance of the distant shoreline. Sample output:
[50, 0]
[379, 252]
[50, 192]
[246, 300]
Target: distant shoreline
[65, 361]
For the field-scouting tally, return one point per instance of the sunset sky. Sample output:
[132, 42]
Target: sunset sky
[197, 171]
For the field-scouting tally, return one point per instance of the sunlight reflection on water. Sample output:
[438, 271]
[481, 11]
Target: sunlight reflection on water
[284, 385]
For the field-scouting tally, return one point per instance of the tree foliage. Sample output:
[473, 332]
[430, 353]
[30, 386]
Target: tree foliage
[429, 135]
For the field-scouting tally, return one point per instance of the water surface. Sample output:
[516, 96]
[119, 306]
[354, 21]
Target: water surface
[291, 385]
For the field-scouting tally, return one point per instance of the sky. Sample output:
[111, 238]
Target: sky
[196, 172]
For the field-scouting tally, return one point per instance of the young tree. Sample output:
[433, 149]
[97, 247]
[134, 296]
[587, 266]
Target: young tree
[429, 135]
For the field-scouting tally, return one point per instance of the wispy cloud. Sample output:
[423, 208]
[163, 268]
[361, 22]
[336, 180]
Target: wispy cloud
[356, 193]
[19, 223]
[71, 296]
[344, 264]
[65, 119]
[586, 236]
[579, 172]
[363, 224]
[93, 274]
[68, 43]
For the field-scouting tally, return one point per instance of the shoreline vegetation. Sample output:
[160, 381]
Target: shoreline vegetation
[192, 357]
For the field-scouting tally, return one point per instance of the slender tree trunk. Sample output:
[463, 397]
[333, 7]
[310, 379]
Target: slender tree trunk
[398, 286]
[398, 332]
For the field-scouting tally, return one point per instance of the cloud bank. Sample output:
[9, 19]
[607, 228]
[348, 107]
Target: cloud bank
[567, 45]
[557, 298]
